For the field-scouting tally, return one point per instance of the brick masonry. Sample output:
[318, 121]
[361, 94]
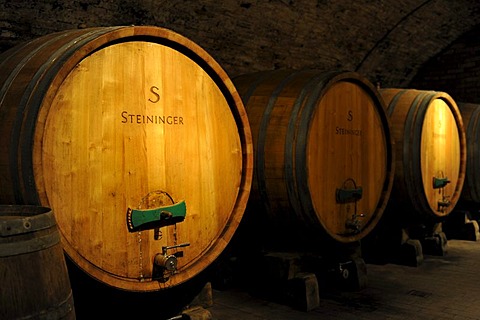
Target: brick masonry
[387, 41]
[455, 70]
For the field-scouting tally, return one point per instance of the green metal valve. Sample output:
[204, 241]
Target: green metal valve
[349, 195]
[440, 182]
[138, 219]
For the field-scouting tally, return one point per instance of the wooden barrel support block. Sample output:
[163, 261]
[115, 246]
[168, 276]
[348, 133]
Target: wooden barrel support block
[431, 148]
[103, 120]
[324, 153]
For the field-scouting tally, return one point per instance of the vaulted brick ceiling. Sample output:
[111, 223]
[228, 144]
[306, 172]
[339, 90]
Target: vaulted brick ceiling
[386, 40]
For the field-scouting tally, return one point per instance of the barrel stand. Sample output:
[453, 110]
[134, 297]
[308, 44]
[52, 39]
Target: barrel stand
[198, 308]
[406, 244]
[391, 242]
[282, 278]
[431, 236]
[344, 268]
[410, 252]
[462, 225]
[297, 278]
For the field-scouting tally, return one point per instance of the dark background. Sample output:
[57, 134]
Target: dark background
[429, 45]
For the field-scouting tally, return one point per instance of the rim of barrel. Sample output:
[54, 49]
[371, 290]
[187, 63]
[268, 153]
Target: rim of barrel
[463, 142]
[285, 77]
[22, 209]
[422, 100]
[58, 73]
[103, 37]
[20, 219]
[353, 77]
[472, 192]
[453, 107]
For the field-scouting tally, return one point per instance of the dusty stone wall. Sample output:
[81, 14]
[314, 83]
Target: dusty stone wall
[386, 40]
[455, 70]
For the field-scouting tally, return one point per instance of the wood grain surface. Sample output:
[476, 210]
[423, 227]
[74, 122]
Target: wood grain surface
[126, 114]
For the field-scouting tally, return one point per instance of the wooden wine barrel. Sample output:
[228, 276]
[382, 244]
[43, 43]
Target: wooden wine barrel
[471, 116]
[137, 139]
[430, 151]
[34, 275]
[323, 152]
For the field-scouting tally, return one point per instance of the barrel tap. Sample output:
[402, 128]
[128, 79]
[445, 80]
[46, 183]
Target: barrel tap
[348, 195]
[354, 222]
[164, 264]
[440, 183]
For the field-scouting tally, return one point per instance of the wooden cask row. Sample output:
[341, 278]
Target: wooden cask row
[430, 152]
[323, 154]
[471, 116]
[34, 276]
[109, 126]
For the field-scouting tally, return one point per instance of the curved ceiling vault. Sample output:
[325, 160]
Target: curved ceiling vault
[423, 32]
[386, 40]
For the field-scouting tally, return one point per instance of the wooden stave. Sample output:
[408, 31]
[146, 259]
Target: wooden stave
[78, 44]
[35, 279]
[408, 193]
[313, 85]
[470, 115]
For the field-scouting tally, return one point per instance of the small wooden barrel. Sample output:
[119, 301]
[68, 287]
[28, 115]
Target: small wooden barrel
[34, 276]
[324, 153]
[471, 116]
[103, 122]
[430, 152]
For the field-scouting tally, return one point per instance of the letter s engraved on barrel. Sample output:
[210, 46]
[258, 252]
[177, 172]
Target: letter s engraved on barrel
[124, 116]
[154, 89]
[350, 115]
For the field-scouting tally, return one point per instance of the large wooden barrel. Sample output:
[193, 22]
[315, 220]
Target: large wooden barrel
[323, 153]
[471, 116]
[430, 152]
[33, 273]
[138, 140]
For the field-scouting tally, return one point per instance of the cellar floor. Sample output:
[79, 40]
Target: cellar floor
[441, 288]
